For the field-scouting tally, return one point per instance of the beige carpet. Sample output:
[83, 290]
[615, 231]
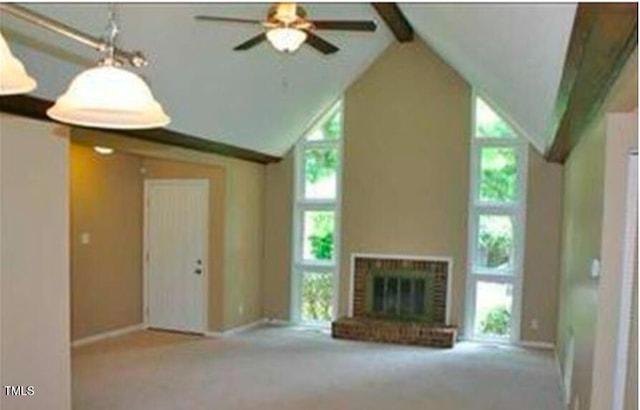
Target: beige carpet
[291, 369]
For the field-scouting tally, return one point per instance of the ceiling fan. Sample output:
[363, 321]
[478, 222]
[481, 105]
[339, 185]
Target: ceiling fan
[287, 28]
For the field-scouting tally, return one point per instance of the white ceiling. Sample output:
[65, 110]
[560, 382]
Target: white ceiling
[257, 99]
[512, 53]
[263, 100]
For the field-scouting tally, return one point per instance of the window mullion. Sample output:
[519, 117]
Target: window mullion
[317, 190]
[496, 228]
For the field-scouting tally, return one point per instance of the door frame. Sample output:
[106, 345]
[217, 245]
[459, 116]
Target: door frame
[205, 257]
[621, 140]
[627, 282]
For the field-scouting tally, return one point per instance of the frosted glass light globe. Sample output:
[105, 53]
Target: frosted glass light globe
[286, 39]
[109, 97]
[13, 77]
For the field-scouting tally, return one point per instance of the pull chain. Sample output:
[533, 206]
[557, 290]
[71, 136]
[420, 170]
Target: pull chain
[283, 73]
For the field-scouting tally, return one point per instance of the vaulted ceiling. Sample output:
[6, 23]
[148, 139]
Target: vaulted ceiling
[512, 53]
[263, 100]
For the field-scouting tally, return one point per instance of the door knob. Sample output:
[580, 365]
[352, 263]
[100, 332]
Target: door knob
[198, 271]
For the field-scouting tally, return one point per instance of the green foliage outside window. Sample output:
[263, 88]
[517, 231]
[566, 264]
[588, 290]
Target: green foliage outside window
[498, 249]
[317, 288]
[498, 179]
[496, 240]
[332, 129]
[496, 322]
[316, 296]
[321, 239]
[489, 123]
[498, 129]
[319, 163]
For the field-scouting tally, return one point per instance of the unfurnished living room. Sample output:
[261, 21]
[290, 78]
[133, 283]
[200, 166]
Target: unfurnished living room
[380, 206]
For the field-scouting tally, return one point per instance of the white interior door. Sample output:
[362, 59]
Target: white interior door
[176, 228]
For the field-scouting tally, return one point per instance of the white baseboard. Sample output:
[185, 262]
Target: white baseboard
[238, 329]
[532, 344]
[107, 335]
[278, 322]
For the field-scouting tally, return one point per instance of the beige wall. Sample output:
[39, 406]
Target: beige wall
[582, 229]
[243, 259]
[542, 249]
[621, 139]
[587, 306]
[34, 254]
[277, 244]
[236, 240]
[106, 273]
[406, 156]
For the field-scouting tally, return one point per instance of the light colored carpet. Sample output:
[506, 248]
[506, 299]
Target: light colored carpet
[293, 369]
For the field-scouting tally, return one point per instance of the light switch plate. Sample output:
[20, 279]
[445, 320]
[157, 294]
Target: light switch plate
[85, 238]
[595, 268]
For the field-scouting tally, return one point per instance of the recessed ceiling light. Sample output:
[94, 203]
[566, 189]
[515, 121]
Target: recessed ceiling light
[103, 150]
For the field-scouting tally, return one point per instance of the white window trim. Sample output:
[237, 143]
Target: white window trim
[518, 212]
[298, 265]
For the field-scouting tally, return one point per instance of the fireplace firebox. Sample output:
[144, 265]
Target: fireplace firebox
[400, 300]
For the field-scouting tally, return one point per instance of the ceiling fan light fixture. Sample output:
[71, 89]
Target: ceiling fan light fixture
[13, 76]
[286, 39]
[109, 97]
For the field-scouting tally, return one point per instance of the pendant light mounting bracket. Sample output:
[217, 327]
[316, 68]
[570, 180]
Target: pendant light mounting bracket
[134, 58]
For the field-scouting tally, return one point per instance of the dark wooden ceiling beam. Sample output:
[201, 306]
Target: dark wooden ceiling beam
[603, 37]
[396, 21]
[36, 108]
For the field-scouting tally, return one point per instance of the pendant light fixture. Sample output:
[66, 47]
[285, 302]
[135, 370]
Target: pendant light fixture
[108, 96]
[13, 77]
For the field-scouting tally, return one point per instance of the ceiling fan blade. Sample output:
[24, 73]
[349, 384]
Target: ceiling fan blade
[228, 19]
[347, 25]
[252, 42]
[320, 44]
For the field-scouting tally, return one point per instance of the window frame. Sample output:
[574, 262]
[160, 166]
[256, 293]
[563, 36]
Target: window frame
[516, 210]
[301, 204]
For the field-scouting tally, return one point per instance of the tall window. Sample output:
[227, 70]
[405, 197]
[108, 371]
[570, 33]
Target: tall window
[316, 221]
[496, 228]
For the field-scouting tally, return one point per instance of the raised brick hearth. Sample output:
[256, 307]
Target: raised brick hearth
[410, 333]
[368, 325]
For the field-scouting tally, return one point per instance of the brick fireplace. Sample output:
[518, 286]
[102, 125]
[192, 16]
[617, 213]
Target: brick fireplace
[399, 299]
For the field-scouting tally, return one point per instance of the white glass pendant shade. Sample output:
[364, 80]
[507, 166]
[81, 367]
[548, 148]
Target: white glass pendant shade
[109, 97]
[13, 77]
[286, 39]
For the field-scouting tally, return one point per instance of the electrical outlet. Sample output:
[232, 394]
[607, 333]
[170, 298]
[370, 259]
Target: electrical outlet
[85, 238]
[241, 309]
[534, 324]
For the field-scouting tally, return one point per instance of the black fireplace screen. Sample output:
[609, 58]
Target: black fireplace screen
[400, 295]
